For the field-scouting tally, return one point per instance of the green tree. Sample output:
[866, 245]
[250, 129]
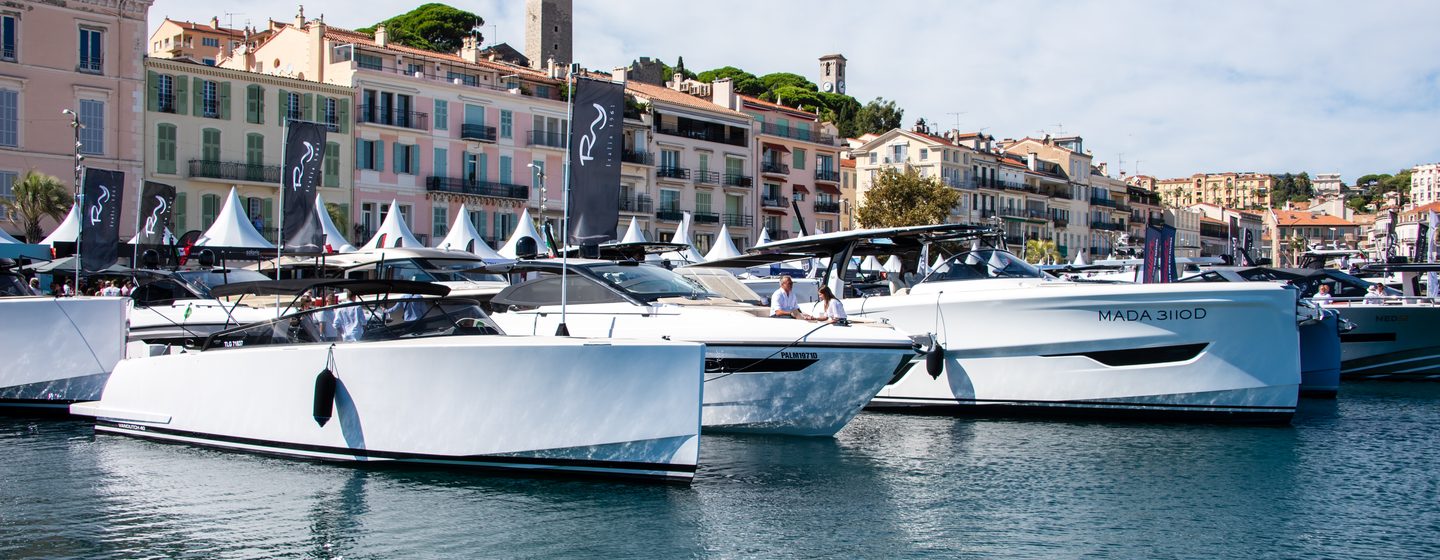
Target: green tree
[904, 198]
[1357, 203]
[1041, 251]
[878, 116]
[743, 81]
[669, 71]
[841, 110]
[337, 214]
[791, 96]
[35, 196]
[432, 27]
[778, 80]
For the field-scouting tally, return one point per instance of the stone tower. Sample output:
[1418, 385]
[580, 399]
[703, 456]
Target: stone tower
[547, 32]
[832, 73]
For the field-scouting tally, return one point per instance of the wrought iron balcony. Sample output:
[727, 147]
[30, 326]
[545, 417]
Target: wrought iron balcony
[478, 132]
[457, 185]
[393, 117]
[769, 202]
[1059, 222]
[635, 156]
[738, 180]
[1106, 202]
[707, 218]
[704, 177]
[774, 168]
[91, 64]
[827, 207]
[739, 220]
[672, 173]
[235, 171]
[545, 139]
[167, 103]
[669, 214]
[639, 203]
[828, 175]
[1107, 226]
[794, 133]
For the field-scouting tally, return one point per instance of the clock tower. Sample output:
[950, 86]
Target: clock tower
[832, 73]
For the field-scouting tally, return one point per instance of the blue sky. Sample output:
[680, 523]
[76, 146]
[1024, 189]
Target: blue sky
[1172, 88]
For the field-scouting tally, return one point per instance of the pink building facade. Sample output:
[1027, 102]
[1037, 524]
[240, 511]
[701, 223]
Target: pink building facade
[81, 55]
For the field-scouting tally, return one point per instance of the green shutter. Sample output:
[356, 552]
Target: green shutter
[360, 149]
[165, 148]
[267, 216]
[225, 100]
[342, 114]
[182, 93]
[283, 97]
[379, 155]
[307, 107]
[179, 214]
[252, 104]
[331, 176]
[197, 108]
[152, 91]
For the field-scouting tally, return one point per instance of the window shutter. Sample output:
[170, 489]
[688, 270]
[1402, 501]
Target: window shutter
[399, 157]
[267, 215]
[152, 91]
[182, 93]
[360, 152]
[307, 104]
[252, 104]
[283, 105]
[379, 155]
[225, 100]
[179, 214]
[331, 174]
[415, 159]
[342, 114]
[197, 107]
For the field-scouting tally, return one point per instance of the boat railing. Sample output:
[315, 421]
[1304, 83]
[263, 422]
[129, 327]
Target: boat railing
[1396, 301]
[371, 320]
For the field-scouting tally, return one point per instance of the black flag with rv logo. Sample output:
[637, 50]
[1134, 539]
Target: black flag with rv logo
[595, 147]
[157, 207]
[304, 161]
[100, 218]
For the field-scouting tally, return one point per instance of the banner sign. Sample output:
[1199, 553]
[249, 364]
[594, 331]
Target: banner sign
[100, 218]
[304, 162]
[157, 209]
[1158, 266]
[595, 148]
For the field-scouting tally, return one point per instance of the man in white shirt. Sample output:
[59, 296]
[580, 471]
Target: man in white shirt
[783, 302]
[350, 319]
[109, 289]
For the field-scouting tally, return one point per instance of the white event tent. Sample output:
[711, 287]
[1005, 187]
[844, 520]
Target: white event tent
[232, 228]
[526, 228]
[333, 238]
[393, 232]
[463, 237]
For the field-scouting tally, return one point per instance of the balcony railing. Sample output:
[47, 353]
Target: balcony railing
[704, 177]
[210, 108]
[1107, 226]
[635, 156]
[827, 175]
[393, 117]
[738, 180]
[827, 207]
[91, 64]
[669, 214]
[638, 203]
[707, 218]
[672, 173]
[805, 135]
[1059, 222]
[545, 139]
[235, 171]
[774, 168]
[455, 80]
[457, 185]
[739, 220]
[768, 202]
[1106, 202]
[702, 134]
[167, 103]
[478, 132]
[7, 54]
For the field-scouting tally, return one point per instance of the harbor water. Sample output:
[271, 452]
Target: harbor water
[1354, 478]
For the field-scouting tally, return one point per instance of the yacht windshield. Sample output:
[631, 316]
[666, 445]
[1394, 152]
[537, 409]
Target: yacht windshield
[203, 280]
[649, 283]
[981, 264]
[436, 270]
[363, 321]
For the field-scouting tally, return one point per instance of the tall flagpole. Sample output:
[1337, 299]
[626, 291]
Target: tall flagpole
[79, 194]
[563, 330]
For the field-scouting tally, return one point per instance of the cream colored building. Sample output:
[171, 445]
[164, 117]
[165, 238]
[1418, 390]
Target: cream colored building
[208, 129]
[1231, 190]
[1425, 184]
[198, 42]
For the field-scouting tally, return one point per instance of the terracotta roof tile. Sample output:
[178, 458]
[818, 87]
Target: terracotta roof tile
[346, 35]
[776, 106]
[667, 95]
[1296, 218]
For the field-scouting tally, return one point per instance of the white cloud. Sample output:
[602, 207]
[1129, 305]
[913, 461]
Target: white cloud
[1181, 87]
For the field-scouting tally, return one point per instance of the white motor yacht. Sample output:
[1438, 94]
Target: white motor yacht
[762, 374]
[171, 307]
[57, 350]
[1009, 339]
[415, 379]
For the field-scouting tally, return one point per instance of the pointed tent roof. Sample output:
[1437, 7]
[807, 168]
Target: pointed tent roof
[724, 247]
[68, 230]
[870, 263]
[393, 232]
[682, 235]
[526, 228]
[463, 237]
[1080, 259]
[633, 234]
[764, 236]
[893, 264]
[232, 228]
[333, 237]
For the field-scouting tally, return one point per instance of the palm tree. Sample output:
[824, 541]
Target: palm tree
[1041, 251]
[35, 196]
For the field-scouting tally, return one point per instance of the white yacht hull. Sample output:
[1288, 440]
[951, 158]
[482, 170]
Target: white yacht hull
[621, 408]
[58, 350]
[1225, 352]
[1394, 342]
[763, 375]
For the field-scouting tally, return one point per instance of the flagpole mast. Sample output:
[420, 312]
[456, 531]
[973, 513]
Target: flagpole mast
[563, 330]
[79, 194]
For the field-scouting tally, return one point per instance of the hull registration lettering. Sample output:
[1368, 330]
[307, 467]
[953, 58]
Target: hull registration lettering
[1192, 314]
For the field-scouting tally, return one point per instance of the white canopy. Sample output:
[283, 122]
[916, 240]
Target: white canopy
[939, 260]
[333, 238]
[393, 232]
[764, 236]
[724, 247]
[893, 264]
[68, 230]
[526, 228]
[232, 228]
[5, 238]
[682, 235]
[633, 234]
[463, 237]
[870, 263]
[1080, 259]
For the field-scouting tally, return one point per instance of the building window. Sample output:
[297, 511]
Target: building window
[292, 107]
[255, 104]
[165, 148]
[702, 202]
[210, 144]
[669, 200]
[8, 41]
[332, 116]
[165, 93]
[538, 171]
[440, 217]
[331, 177]
[92, 129]
[442, 114]
[7, 192]
[209, 208]
[209, 42]
[407, 158]
[924, 154]
[369, 217]
[507, 123]
[873, 155]
[370, 154]
[798, 158]
[92, 50]
[210, 102]
[254, 151]
[9, 118]
[368, 61]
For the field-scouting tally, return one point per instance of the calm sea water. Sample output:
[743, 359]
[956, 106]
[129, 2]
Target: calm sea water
[1358, 477]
